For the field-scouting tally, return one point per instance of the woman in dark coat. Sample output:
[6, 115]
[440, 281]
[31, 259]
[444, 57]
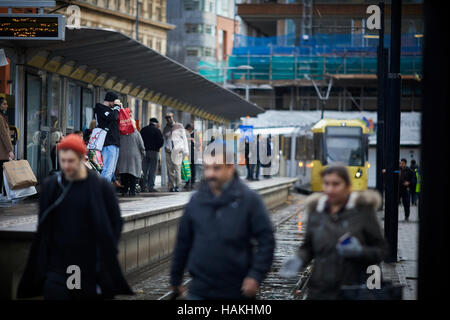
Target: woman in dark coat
[343, 236]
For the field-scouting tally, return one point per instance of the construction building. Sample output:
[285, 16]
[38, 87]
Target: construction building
[309, 55]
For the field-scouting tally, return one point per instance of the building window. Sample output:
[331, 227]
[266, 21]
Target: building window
[158, 13]
[117, 5]
[193, 28]
[150, 9]
[140, 9]
[210, 29]
[127, 6]
[209, 52]
[158, 45]
[193, 51]
[193, 4]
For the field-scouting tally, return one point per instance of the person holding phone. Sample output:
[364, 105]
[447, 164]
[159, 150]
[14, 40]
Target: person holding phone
[343, 236]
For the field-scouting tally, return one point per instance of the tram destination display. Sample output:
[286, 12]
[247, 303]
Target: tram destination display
[32, 27]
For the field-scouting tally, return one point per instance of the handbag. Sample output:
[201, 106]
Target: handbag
[124, 121]
[18, 193]
[97, 139]
[19, 174]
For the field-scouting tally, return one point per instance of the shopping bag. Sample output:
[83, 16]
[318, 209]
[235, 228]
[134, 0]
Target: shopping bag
[185, 170]
[124, 120]
[19, 174]
[19, 193]
[97, 139]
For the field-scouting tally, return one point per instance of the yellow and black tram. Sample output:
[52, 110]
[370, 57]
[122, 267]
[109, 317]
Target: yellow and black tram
[344, 142]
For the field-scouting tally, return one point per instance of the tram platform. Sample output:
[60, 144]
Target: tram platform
[148, 235]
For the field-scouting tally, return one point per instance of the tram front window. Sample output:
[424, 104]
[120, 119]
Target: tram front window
[345, 150]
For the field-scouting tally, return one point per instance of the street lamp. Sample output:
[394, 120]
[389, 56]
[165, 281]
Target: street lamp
[242, 67]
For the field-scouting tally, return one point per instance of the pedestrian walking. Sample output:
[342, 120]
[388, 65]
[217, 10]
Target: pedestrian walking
[343, 236]
[176, 149]
[225, 236]
[405, 179]
[106, 114]
[153, 141]
[77, 236]
[6, 148]
[129, 164]
[414, 181]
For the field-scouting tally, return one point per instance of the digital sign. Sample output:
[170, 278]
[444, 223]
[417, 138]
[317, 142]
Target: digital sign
[32, 26]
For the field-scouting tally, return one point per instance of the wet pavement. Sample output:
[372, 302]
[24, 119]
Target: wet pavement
[289, 225]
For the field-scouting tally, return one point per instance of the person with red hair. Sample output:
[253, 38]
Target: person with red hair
[78, 232]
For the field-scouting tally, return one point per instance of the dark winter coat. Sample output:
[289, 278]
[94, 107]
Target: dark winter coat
[330, 270]
[153, 138]
[216, 241]
[407, 175]
[107, 229]
[107, 119]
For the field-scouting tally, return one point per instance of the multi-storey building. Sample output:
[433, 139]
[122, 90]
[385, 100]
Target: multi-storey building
[120, 15]
[204, 31]
[289, 43]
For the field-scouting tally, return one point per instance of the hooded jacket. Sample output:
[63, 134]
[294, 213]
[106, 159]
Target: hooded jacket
[107, 119]
[216, 241]
[331, 271]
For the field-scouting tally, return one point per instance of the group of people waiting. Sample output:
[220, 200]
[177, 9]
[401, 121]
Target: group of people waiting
[134, 156]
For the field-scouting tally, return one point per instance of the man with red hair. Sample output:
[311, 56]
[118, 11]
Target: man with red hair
[74, 253]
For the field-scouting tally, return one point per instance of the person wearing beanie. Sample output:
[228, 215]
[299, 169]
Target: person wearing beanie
[79, 225]
[153, 141]
[106, 114]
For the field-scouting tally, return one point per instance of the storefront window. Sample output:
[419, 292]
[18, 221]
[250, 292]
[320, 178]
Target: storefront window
[37, 139]
[55, 101]
[87, 108]
[72, 108]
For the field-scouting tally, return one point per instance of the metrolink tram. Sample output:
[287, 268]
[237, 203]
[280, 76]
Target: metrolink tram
[344, 142]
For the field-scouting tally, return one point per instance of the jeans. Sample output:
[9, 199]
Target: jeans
[149, 166]
[110, 154]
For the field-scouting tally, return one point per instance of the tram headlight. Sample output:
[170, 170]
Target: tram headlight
[358, 174]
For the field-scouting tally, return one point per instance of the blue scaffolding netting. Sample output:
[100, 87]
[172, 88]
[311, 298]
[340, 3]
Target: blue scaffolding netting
[289, 57]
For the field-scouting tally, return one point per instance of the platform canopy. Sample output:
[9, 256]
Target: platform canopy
[113, 60]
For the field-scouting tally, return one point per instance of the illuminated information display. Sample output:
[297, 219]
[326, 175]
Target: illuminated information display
[32, 27]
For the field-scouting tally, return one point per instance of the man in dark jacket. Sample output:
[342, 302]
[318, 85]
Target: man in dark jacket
[217, 235]
[153, 141]
[74, 253]
[107, 115]
[405, 179]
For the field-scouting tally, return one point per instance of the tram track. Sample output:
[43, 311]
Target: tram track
[288, 230]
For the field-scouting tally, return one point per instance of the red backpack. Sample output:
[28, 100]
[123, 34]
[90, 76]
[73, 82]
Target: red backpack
[124, 120]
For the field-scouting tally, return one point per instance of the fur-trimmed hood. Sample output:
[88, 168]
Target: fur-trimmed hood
[368, 199]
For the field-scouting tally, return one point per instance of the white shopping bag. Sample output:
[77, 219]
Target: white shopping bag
[19, 193]
[97, 139]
